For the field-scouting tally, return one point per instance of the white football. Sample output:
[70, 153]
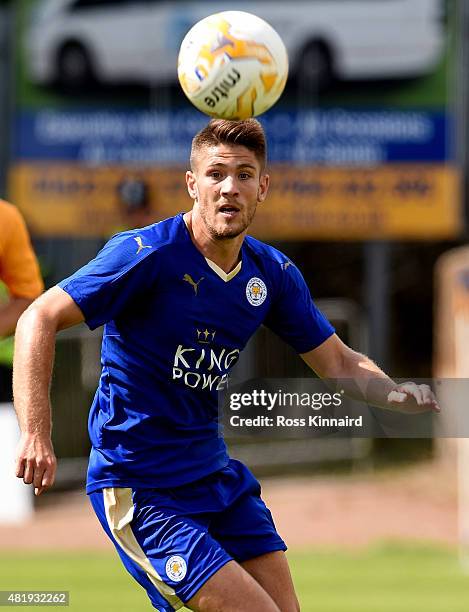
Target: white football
[232, 65]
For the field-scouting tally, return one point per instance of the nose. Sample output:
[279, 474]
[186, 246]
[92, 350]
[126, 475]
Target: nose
[229, 186]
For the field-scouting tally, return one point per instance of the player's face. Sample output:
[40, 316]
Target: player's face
[226, 185]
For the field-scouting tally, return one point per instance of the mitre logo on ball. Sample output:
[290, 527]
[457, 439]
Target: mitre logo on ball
[232, 65]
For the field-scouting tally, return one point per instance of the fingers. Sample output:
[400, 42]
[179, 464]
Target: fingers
[397, 397]
[19, 470]
[28, 475]
[48, 479]
[38, 476]
[36, 463]
[39, 473]
[429, 398]
[413, 390]
[421, 396]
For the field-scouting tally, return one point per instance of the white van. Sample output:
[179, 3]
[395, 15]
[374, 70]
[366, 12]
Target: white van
[74, 41]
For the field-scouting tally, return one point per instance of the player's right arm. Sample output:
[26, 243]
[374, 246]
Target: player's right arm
[32, 372]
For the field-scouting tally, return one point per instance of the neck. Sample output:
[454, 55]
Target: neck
[225, 253]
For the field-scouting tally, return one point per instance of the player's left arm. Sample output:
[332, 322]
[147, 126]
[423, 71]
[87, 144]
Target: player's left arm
[333, 359]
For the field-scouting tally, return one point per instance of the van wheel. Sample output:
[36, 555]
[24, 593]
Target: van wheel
[74, 68]
[314, 69]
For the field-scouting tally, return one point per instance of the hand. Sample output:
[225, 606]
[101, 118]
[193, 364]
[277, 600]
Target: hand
[413, 399]
[36, 463]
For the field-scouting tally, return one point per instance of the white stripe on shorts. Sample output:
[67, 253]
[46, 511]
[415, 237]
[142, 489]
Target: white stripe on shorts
[119, 509]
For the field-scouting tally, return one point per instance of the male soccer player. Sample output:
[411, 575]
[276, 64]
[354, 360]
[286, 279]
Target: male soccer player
[19, 270]
[179, 300]
[22, 283]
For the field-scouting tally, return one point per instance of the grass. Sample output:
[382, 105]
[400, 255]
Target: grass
[96, 582]
[386, 579]
[391, 578]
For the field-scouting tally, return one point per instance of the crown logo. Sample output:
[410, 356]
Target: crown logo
[205, 336]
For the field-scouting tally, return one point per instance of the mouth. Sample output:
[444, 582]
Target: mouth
[229, 210]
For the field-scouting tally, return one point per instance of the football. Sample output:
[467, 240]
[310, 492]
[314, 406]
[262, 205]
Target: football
[232, 65]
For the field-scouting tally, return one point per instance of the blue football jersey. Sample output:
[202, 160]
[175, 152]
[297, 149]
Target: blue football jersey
[175, 324]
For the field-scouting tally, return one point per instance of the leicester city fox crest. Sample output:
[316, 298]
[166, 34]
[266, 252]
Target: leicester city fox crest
[256, 291]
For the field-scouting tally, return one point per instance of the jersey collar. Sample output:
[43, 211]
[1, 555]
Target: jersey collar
[221, 273]
[215, 267]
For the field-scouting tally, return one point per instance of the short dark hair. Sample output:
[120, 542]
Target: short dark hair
[248, 133]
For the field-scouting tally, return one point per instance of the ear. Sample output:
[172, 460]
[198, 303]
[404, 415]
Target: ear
[264, 182]
[191, 183]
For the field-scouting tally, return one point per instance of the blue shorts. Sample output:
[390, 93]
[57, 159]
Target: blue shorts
[173, 540]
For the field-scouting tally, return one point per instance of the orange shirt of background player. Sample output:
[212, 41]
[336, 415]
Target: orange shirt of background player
[19, 269]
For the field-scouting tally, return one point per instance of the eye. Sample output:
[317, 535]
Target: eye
[244, 176]
[215, 174]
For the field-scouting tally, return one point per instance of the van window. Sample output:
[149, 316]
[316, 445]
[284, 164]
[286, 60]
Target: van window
[85, 4]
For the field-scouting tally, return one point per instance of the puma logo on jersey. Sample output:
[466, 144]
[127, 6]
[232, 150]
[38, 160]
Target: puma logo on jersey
[141, 246]
[285, 265]
[195, 285]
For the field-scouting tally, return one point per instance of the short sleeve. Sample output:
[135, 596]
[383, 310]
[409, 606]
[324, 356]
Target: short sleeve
[293, 315]
[19, 269]
[123, 270]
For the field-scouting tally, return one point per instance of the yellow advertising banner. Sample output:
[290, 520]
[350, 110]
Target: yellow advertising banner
[395, 201]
